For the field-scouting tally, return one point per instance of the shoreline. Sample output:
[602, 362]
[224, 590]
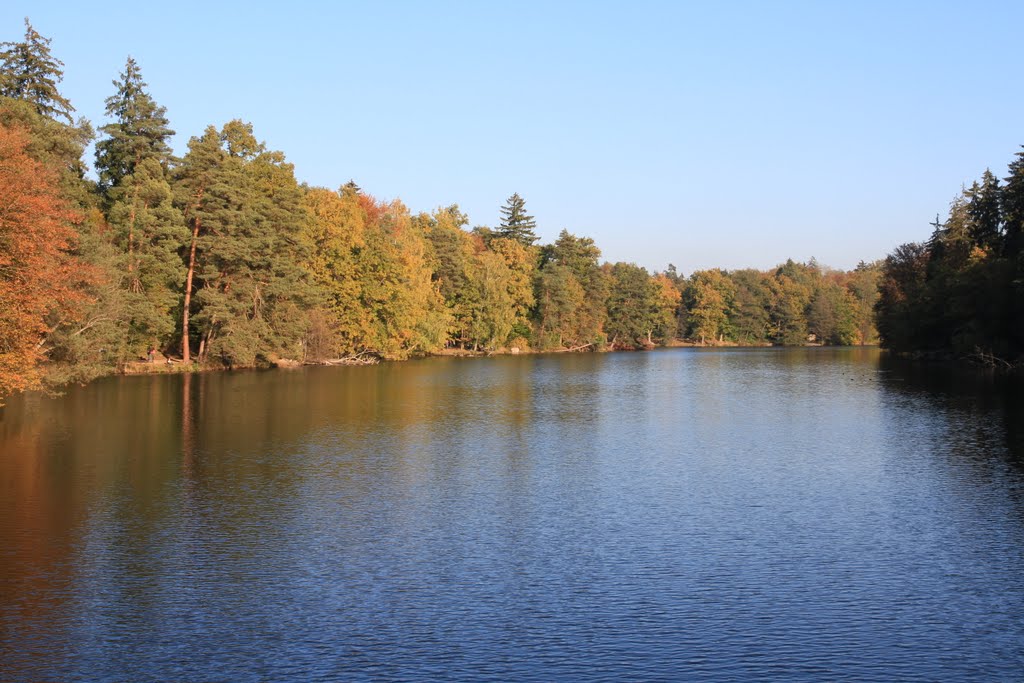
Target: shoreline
[175, 366]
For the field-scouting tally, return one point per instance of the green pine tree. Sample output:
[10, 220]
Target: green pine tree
[983, 208]
[200, 193]
[1012, 205]
[248, 224]
[515, 224]
[149, 232]
[139, 130]
[632, 306]
[29, 72]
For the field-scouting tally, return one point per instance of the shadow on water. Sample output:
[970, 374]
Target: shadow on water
[980, 396]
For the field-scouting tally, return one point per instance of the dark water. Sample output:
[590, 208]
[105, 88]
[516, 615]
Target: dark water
[806, 514]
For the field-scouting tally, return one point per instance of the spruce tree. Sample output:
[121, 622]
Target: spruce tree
[1012, 206]
[149, 232]
[984, 213]
[29, 72]
[139, 131]
[515, 224]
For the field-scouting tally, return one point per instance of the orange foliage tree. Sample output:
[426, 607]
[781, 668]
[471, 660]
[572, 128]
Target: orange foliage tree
[38, 273]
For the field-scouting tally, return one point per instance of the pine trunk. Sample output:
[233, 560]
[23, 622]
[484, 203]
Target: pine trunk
[131, 239]
[188, 292]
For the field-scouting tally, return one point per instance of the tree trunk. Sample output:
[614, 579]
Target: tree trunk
[188, 292]
[131, 238]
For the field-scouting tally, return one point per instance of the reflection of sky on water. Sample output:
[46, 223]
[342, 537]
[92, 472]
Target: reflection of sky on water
[720, 513]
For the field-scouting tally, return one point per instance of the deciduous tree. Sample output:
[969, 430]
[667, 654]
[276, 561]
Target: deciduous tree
[39, 277]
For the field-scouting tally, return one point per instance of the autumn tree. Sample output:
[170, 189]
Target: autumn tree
[406, 313]
[579, 255]
[792, 287]
[493, 316]
[666, 307]
[560, 297]
[39, 277]
[336, 235]
[862, 283]
[31, 100]
[749, 315]
[452, 255]
[830, 314]
[521, 262]
[709, 297]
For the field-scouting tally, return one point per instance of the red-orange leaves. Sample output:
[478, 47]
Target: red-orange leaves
[37, 271]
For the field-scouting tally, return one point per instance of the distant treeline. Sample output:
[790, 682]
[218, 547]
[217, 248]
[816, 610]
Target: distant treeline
[961, 293]
[222, 258]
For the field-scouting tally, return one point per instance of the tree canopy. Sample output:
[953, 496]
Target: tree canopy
[961, 292]
[222, 258]
[515, 223]
[138, 132]
[29, 72]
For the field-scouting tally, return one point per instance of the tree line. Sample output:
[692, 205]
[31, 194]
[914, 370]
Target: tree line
[221, 257]
[961, 293]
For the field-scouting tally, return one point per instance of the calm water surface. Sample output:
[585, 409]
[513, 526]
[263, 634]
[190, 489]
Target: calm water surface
[803, 514]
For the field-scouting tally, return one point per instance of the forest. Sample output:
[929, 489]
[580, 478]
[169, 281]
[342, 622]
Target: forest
[222, 258]
[961, 293]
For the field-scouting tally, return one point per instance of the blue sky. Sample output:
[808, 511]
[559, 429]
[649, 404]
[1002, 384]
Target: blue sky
[705, 134]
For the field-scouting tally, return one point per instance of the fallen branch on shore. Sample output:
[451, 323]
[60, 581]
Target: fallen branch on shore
[989, 359]
[363, 358]
[575, 348]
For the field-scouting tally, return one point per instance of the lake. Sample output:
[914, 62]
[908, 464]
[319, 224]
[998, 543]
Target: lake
[735, 515]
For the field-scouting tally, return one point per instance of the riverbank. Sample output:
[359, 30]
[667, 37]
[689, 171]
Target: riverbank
[170, 365]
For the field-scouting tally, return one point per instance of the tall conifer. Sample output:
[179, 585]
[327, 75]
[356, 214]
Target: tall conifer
[515, 223]
[139, 131]
[1012, 206]
[29, 72]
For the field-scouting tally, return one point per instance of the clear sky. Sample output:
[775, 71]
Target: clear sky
[703, 134]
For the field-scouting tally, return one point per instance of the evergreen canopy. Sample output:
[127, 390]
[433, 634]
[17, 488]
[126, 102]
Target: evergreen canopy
[515, 224]
[139, 131]
[29, 72]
